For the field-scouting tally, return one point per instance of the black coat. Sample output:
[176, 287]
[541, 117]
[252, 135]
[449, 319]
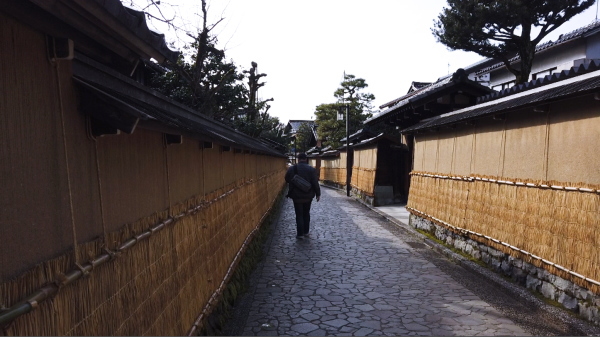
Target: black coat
[310, 174]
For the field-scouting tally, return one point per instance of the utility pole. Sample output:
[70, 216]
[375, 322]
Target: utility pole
[348, 168]
[346, 106]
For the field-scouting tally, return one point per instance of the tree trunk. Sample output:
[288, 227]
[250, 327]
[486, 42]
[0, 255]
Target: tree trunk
[526, 51]
[527, 56]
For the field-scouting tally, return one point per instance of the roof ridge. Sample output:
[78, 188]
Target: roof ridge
[563, 38]
[587, 83]
[593, 65]
[403, 97]
[135, 21]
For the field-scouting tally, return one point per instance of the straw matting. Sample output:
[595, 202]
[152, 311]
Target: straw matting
[364, 179]
[333, 169]
[364, 169]
[559, 225]
[159, 286]
[69, 196]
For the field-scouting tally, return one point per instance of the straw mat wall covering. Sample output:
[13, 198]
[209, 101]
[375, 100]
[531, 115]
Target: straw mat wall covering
[555, 146]
[554, 221]
[161, 283]
[334, 169]
[128, 235]
[364, 180]
[363, 170]
[33, 193]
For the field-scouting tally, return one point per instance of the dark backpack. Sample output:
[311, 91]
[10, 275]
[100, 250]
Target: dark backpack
[299, 182]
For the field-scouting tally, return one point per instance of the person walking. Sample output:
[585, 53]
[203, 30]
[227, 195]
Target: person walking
[303, 199]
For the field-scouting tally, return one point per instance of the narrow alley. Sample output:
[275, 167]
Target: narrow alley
[360, 274]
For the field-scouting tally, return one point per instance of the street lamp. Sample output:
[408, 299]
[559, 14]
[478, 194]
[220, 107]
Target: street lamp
[341, 111]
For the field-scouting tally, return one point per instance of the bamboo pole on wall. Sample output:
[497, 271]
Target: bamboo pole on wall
[144, 286]
[364, 170]
[554, 221]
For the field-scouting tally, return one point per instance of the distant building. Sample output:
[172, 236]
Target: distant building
[291, 130]
[294, 125]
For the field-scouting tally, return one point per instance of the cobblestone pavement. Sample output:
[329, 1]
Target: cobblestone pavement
[353, 276]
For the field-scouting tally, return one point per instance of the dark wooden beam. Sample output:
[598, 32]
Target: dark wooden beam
[173, 139]
[113, 113]
[99, 128]
[499, 117]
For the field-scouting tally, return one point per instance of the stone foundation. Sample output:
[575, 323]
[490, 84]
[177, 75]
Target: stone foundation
[568, 294]
[329, 183]
[367, 199]
[375, 200]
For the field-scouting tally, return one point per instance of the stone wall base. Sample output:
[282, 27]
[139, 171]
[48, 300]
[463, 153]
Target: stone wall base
[332, 184]
[367, 199]
[374, 200]
[568, 294]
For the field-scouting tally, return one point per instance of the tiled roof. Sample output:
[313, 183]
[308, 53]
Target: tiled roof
[575, 71]
[111, 24]
[362, 133]
[295, 124]
[479, 64]
[371, 140]
[313, 151]
[459, 76]
[417, 85]
[580, 80]
[135, 21]
[410, 93]
[562, 39]
[330, 153]
[273, 144]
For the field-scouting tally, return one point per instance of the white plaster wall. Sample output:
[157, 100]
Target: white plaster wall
[561, 57]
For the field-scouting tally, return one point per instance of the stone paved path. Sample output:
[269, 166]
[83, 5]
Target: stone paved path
[352, 276]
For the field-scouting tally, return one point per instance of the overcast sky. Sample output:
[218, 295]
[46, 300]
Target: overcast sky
[305, 47]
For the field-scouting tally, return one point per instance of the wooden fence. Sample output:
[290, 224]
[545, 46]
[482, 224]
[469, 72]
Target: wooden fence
[333, 169]
[128, 234]
[528, 185]
[163, 268]
[364, 169]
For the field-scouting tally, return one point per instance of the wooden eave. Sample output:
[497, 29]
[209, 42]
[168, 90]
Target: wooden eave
[93, 26]
[131, 104]
[565, 85]
[427, 106]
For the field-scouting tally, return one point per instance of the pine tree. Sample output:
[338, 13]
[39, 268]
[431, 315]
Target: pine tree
[503, 29]
[330, 129]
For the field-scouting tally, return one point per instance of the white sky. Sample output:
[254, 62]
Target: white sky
[304, 47]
